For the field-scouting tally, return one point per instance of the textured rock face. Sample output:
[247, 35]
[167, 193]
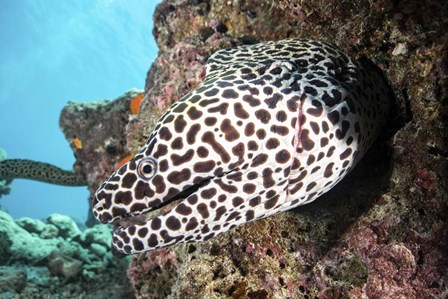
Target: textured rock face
[12, 281]
[97, 134]
[66, 267]
[66, 226]
[382, 232]
[42, 259]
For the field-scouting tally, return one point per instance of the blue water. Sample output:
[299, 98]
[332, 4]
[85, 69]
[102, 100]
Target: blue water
[54, 51]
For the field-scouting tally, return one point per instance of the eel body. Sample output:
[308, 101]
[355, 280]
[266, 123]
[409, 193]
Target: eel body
[11, 169]
[273, 126]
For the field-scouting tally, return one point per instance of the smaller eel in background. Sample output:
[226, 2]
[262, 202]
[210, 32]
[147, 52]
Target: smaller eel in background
[11, 169]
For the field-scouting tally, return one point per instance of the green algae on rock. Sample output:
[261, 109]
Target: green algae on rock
[41, 258]
[29, 241]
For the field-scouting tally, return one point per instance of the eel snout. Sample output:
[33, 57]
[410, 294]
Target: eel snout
[112, 206]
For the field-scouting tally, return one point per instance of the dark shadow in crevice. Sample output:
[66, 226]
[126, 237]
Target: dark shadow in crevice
[339, 208]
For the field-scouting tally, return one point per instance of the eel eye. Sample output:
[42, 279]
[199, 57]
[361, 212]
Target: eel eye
[146, 168]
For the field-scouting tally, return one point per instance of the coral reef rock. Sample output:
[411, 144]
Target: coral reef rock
[97, 135]
[64, 266]
[66, 226]
[38, 259]
[12, 281]
[381, 233]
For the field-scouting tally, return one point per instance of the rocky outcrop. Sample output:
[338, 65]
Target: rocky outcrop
[97, 135]
[37, 258]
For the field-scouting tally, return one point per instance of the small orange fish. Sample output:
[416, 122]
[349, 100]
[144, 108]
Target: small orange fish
[77, 142]
[135, 103]
[124, 161]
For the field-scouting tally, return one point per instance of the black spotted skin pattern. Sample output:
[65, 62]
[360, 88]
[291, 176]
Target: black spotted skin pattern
[273, 126]
[11, 169]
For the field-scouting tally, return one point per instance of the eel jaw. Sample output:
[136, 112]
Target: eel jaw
[148, 205]
[140, 217]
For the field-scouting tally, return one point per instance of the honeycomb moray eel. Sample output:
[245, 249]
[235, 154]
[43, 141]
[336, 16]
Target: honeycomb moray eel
[11, 169]
[273, 126]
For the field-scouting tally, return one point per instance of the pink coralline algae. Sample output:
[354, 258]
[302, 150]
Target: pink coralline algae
[426, 179]
[156, 264]
[182, 69]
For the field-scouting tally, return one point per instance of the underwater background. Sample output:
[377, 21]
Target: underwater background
[52, 52]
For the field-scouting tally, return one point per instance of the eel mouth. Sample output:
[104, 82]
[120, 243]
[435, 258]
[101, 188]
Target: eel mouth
[142, 216]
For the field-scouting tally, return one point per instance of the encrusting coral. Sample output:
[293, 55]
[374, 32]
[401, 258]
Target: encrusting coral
[55, 257]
